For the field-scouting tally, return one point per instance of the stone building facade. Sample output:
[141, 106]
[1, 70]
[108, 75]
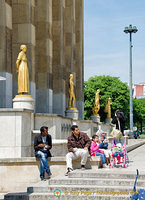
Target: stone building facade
[53, 33]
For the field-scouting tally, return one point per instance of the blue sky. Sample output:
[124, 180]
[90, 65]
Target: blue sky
[106, 46]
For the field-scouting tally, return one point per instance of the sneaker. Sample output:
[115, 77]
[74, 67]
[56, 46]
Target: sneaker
[49, 173]
[83, 167]
[43, 179]
[68, 171]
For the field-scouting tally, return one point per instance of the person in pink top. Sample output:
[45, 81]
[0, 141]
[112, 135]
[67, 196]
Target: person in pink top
[95, 151]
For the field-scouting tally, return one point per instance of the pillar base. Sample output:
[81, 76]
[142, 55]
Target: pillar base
[73, 114]
[95, 118]
[23, 101]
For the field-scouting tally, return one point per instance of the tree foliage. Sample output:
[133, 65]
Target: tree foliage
[109, 87]
[139, 113]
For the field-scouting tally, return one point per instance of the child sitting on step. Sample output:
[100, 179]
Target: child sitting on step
[95, 151]
[104, 145]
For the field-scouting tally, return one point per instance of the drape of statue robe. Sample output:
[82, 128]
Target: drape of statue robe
[23, 74]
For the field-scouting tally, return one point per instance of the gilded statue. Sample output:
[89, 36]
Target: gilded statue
[71, 93]
[108, 108]
[22, 69]
[96, 108]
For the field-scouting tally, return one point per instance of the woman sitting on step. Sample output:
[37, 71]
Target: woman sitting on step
[95, 151]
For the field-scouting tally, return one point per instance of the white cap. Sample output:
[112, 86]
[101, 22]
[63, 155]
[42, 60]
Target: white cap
[99, 132]
[119, 145]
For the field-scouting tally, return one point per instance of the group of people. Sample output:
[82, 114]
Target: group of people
[79, 145]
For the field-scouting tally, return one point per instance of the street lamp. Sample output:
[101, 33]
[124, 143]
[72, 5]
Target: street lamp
[131, 30]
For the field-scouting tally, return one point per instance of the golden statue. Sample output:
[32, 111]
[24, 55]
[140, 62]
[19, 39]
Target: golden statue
[96, 108]
[108, 108]
[71, 93]
[22, 69]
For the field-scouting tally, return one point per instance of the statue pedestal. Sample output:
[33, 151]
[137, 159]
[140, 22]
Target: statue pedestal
[108, 121]
[72, 113]
[95, 118]
[23, 101]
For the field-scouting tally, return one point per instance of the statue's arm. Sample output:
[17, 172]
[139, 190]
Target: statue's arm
[18, 61]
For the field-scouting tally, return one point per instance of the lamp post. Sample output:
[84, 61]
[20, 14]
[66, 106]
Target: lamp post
[131, 30]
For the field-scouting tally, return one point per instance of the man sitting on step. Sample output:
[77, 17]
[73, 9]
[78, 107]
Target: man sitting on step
[78, 146]
[42, 145]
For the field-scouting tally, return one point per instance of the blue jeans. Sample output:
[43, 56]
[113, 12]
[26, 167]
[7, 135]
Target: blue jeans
[102, 156]
[120, 154]
[43, 162]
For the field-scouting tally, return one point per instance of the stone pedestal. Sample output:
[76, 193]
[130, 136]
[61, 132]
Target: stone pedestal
[72, 113]
[15, 134]
[95, 118]
[108, 121]
[23, 102]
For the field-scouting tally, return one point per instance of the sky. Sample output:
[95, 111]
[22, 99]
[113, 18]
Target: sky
[106, 46]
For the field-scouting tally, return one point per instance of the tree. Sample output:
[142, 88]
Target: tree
[139, 113]
[109, 87]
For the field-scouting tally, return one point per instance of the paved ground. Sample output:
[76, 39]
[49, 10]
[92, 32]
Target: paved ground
[137, 159]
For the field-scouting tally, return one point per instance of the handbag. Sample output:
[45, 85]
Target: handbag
[117, 134]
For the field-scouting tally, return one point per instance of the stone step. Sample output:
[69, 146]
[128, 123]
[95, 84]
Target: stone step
[80, 196]
[95, 181]
[106, 173]
[79, 188]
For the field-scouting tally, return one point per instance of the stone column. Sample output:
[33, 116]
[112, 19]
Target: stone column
[79, 63]
[44, 46]
[24, 33]
[59, 100]
[74, 50]
[6, 53]
[69, 44]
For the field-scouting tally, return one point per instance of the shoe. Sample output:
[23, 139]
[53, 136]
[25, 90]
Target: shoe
[68, 171]
[49, 173]
[105, 166]
[43, 179]
[107, 161]
[83, 167]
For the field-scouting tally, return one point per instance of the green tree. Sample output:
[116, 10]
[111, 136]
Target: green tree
[139, 113]
[109, 87]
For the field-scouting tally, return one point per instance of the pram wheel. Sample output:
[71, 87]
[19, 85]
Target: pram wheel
[125, 165]
[110, 165]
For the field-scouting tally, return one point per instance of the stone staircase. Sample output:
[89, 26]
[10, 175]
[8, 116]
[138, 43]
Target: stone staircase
[100, 184]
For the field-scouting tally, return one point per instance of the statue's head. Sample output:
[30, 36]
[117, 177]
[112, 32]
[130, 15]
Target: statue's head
[98, 91]
[71, 76]
[23, 47]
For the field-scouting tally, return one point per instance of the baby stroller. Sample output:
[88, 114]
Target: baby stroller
[123, 151]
